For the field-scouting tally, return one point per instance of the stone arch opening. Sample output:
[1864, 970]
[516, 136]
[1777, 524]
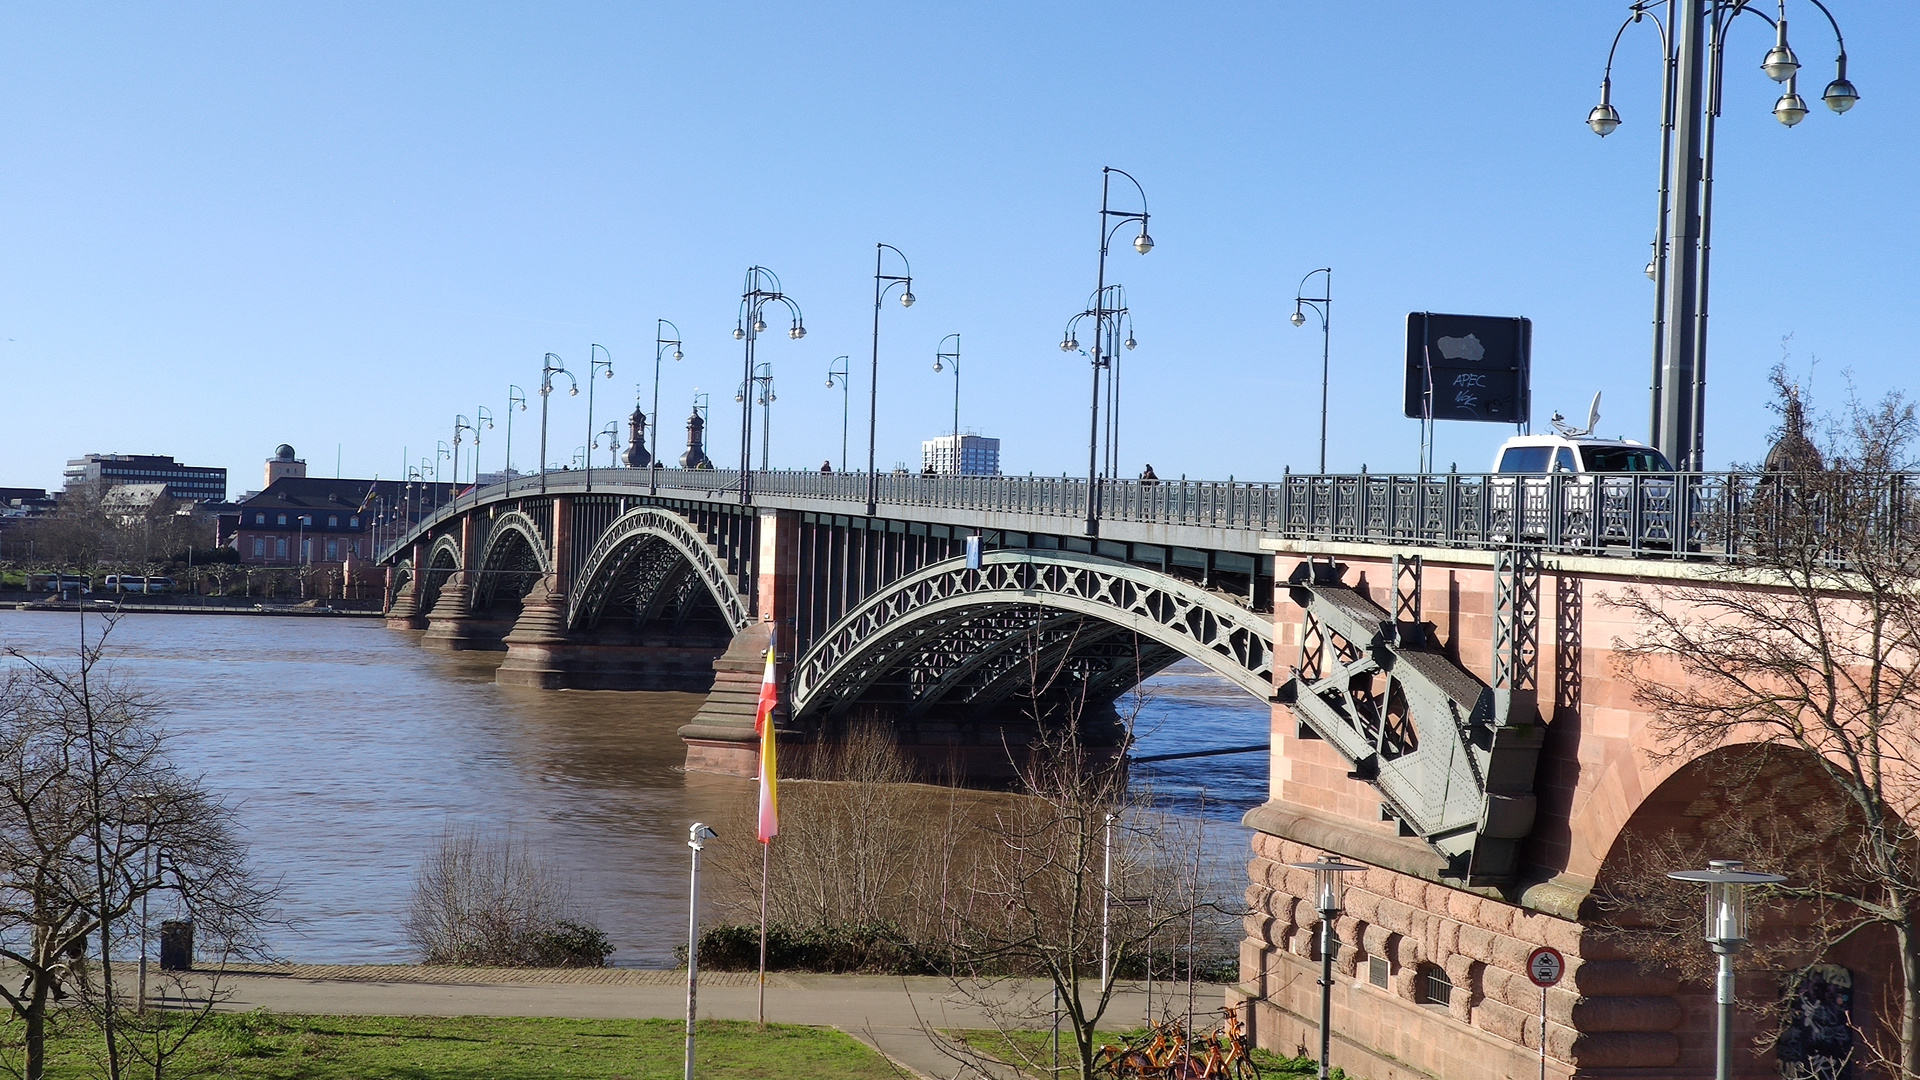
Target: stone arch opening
[1777, 808]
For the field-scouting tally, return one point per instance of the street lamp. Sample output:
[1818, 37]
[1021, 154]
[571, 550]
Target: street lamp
[882, 283]
[593, 366]
[612, 434]
[953, 357]
[515, 396]
[1329, 890]
[837, 373]
[1142, 243]
[762, 287]
[697, 836]
[1322, 306]
[1693, 45]
[660, 343]
[1726, 931]
[481, 415]
[1112, 304]
[764, 397]
[459, 425]
[551, 365]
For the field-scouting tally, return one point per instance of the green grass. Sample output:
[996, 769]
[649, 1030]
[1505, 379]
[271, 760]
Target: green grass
[1017, 1047]
[265, 1046]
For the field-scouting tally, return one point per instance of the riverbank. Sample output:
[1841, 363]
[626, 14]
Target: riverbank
[126, 608]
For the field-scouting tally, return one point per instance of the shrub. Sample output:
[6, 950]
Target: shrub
[490, 900]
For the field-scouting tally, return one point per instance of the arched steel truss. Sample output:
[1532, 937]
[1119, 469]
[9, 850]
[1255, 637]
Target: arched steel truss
[498, 551]
[667, 556]
[443, 560]
[957, 636]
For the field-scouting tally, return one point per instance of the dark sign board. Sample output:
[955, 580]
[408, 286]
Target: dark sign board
[1469, 367]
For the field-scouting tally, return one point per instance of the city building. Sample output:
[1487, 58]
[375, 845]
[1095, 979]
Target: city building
[966, 455]
[316, 521]
[96, 473]
[283, 463]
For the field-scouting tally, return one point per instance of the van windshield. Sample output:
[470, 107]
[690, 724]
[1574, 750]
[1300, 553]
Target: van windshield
[1526, 459]
[1602, 459]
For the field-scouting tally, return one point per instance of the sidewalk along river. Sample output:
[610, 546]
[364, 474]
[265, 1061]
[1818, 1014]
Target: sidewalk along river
[347, 749]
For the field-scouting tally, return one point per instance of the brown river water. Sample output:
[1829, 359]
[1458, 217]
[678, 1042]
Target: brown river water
[347, 749]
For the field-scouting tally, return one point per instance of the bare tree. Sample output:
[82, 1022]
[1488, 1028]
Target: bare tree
[492, 900]
[97, 819]
[1810, 647]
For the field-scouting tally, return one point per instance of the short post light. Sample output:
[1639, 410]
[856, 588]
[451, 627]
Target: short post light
[1329, 898]
[697, 836]
[1726, 931]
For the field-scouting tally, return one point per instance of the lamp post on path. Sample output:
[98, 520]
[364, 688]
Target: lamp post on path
[1330, 900]
[697, 836]
[1726, 931]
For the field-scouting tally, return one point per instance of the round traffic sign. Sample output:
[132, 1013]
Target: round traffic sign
[1545, 966]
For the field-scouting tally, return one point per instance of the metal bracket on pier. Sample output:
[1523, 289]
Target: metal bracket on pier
[1452, 758]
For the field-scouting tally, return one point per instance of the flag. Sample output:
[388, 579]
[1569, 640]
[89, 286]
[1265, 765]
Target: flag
[769, 773]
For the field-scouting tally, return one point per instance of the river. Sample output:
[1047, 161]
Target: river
[347, 749]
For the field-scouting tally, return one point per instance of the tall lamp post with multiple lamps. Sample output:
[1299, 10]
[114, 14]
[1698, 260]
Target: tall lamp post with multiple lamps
[1110, 311]
[762, 389]
[1693, 40]
[1727, 881]
[1329, 892]
[940, 355]
[837, 375]
[593, 366]
[515, 396]
[660, 343]
[550, 366]
[612, 434]
[481, 415]
[1322, 306]
[1111, 222]
[762, 287]
[460, 426]
[882, 284]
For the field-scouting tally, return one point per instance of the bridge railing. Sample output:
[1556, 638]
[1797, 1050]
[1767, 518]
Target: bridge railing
[1652, 515]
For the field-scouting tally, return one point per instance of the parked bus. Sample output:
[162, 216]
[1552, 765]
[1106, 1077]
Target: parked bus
[133, 583]
[64, 584]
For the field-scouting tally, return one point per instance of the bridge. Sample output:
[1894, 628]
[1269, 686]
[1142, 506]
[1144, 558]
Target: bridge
[1436, 649]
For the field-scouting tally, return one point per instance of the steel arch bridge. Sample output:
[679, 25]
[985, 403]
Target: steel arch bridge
[956, 637]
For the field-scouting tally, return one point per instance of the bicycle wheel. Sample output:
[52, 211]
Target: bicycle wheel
[1245, 1069]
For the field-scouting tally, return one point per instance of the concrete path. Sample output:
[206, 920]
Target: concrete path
[893, 1015]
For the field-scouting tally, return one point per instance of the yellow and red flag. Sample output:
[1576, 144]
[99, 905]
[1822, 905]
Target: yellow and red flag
[769, 773]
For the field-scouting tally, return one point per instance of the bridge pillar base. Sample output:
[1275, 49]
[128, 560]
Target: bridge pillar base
[449, 624]
[534, 643]
[405, 613]
[720, 738]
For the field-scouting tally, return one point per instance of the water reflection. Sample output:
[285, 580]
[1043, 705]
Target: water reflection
[348, 748]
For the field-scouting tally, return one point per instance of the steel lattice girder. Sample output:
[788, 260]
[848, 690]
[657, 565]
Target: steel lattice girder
[941, 598]
[1440, 787]
[603, 563]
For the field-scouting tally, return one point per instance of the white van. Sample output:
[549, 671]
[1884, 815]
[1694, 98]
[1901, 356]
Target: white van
[1569, 488]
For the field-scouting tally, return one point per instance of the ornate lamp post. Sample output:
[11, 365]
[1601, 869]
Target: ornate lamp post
[1112, 304]
[762, 287]
[481, 415]
[882, 284]
[1111, 221]
[515, 396]
[550, 366]
[612, 434]
[460, 425]
[837, 375]
[940, 356]
[1322, 306]
[1726, 931]
[660, 343]
[592, 367]
[762, 387]
[1693, 40]
[1329, 890]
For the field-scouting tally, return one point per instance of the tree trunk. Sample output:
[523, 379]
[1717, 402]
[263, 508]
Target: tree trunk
[37, 1031]
[1909, 937]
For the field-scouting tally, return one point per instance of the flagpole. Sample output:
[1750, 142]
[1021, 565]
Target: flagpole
[766, 847]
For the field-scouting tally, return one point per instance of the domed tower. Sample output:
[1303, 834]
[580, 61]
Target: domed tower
[283, 463]
[696, 455]
[637, 456]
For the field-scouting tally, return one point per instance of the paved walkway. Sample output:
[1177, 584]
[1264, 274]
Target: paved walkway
[891, 1014]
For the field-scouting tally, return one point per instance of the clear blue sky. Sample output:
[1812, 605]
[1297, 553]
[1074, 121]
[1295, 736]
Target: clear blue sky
[228, 226]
